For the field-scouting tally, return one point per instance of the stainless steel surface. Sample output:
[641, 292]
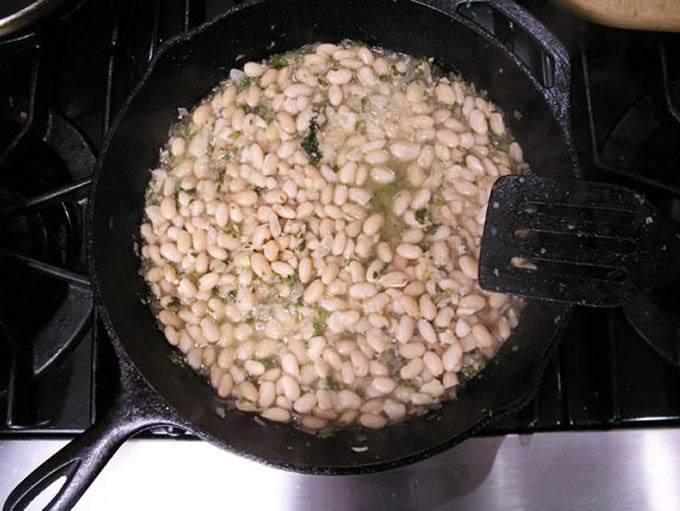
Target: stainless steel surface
[609, 470]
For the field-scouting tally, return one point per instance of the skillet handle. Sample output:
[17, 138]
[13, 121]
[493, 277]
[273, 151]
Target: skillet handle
[135, 409]
[529, 42]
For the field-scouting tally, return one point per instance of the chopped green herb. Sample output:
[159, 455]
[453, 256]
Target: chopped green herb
[326, 433]
[418, 73]
[422, 215]
[517, 115]
[302, 245]
[335, 168]
[277, 61]
[430, 229]
[319, 327]
[468, 372]
[383, 78]
[333, 384]
[270, 363]
[246, 81]
[176, 358]
[174, 304]
[240, 56]
[181, 130]
[316, 216]
[261, 110]
[395, 71]
[393, 186]
[226, 156]
[310, 143]
[259, 189]
[231, 295]
[271, 45]
[322, 81]
[291, 280]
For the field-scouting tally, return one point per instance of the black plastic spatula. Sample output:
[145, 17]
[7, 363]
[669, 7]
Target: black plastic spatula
[572, 241]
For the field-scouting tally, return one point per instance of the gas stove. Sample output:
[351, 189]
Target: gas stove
[610, 396]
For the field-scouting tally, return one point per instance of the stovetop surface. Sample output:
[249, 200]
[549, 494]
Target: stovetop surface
[64, 83]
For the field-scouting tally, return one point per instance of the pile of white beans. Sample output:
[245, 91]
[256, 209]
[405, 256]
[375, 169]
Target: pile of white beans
[312, 233]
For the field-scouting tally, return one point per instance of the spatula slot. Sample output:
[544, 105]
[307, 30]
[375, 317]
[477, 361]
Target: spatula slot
[597, 213]
[556, 239]
[570, 270]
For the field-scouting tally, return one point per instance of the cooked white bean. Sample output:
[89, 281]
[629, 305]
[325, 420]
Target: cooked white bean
[339, 76]
[482, 335]
[383, 384]
[478, 122]
[409, 250]
[276, 414]
[313, 292]
[412, 349]
[373, 224]
[426, 329]
[412, 369]
[363, 290]
[382, 175]
[394, 279]
[469, 266]
[372, 421]
[428, 310]
[470, 304]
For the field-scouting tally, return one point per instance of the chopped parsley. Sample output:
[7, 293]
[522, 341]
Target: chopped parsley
[396, 72]
[291, 280]
[181, 130]
[176, 358]
[247, 81]
[174, 304]
[333, 384]
[422, 216]
[319, 327]
[277, 61]
[310, 143]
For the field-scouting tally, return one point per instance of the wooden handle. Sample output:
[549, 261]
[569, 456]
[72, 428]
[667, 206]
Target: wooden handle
[661, 15]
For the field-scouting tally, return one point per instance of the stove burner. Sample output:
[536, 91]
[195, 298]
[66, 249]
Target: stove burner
[40, 239]
[642, 147]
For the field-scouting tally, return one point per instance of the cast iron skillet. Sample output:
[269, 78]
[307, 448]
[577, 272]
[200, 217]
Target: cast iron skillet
[531, 85]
